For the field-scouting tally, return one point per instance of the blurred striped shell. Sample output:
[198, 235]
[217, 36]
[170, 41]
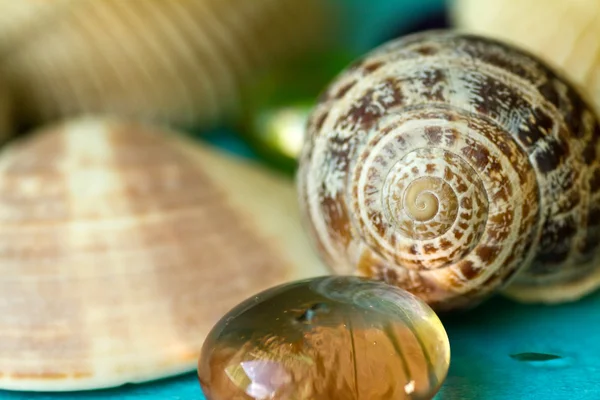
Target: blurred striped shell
[564, 33]
[182, 62]
[453, 165]
[121, 247]
[6, 111]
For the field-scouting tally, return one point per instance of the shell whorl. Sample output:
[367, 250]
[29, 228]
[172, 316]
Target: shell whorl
[446, 163]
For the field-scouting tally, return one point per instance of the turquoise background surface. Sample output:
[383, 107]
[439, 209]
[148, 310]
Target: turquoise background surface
[485, 341]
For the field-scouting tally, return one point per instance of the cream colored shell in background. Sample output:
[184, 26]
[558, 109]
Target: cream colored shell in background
[6, 111]
[121, 247]
[565, 33]
[181, 62]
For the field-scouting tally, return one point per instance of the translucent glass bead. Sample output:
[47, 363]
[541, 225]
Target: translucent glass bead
[330, 338]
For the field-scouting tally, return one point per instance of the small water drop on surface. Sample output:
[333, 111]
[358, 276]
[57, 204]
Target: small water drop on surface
[536, 357]
[542, 360]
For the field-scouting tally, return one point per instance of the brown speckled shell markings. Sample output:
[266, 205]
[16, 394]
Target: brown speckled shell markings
[452, 165]
[564, 33]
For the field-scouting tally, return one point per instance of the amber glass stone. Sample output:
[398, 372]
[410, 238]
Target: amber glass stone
[327, 338]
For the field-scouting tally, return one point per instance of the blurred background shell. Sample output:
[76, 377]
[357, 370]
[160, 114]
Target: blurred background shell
[121, 247]
[182, 62]
[565, 33]
[5, 111]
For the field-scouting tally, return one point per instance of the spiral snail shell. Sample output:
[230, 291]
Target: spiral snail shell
[455, 166]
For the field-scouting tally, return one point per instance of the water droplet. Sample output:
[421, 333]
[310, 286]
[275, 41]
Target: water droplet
[536, 357]
[542, 360]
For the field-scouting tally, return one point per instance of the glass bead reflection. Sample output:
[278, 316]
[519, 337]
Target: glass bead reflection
[329, 338]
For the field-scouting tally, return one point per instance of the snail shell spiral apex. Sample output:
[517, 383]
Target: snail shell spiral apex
[455, 166]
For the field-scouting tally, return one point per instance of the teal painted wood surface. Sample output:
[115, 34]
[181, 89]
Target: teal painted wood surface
[484, 343]
[481, 368]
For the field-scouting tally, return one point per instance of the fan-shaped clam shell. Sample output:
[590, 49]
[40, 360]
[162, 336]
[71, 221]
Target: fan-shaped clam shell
[120, 248]
[565, 33]
[182, 62]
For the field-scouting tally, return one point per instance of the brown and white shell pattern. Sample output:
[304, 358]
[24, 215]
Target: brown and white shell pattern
[121, 246]
[183, 62]
[448, 163]
[564, 33]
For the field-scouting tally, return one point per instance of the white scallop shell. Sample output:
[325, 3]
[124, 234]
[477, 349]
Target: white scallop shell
[121, 248]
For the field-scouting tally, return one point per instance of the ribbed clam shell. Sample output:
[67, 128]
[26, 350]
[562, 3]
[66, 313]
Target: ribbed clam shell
[449, 164]
[182, 62]
[6, 112]
[25, 16]
[120, 247]
[565, 33]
